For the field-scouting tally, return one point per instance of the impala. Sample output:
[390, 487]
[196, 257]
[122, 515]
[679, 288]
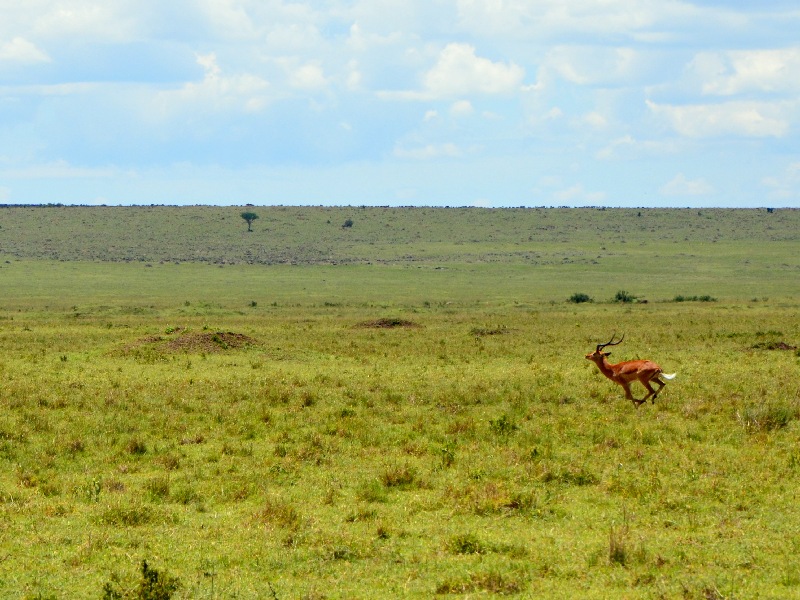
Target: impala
[625, 373]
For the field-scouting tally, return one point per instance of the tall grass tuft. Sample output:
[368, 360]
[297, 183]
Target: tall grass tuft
[466, 543]
[618, 553]
[279, 513]
[768, 417]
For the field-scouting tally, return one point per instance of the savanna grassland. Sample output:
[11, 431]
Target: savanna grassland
[388, 403]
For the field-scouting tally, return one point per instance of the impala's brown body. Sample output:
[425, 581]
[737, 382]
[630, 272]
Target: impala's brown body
[625, 373]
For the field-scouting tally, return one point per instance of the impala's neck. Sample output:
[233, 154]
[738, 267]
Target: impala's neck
[601, 360]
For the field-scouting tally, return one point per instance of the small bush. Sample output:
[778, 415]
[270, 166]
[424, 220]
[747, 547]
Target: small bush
[136, 446]
[153, 585]
[502, 426]
[372, 491]
[705, 298]
[347, 224]
[157, 489]
[492, 582]
[185, 494]
[570, 476]
[484, 331]
[466, 543]
[624, 297]
[398, 476]
[127, 516]
[580, 298]
[279, 513]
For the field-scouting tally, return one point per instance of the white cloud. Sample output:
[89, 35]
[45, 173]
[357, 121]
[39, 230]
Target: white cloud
[553, 114]
[462, 108]
[354, 76]
[523, 19]
[308, 76]
[429, 151]
[595, 119]
[736, 118]
[460, 72]
[229, 18]
[20, 50]
[785, 186]
[742, 71]
[592, 65]
[362, 41]
[59, 169]
[612, 150]
[577, 194]
[680, 185]
[628, 147]
[295, 38]
[216, 92]
[80, 19]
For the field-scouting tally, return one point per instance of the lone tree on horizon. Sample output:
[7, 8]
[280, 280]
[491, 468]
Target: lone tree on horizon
[249, 217]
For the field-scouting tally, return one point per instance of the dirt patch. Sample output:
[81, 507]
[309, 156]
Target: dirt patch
[773, 346]
[484, 331]
[386, 323]
[204, 342]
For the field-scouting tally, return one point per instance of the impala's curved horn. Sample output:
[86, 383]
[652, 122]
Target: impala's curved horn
[611, 342]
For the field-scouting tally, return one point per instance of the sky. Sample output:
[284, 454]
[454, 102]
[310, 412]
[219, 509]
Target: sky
[401, 102]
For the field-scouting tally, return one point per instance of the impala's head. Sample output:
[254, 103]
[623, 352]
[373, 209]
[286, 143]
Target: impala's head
[598, 355]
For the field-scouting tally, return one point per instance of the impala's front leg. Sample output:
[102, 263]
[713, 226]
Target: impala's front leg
[628, 394]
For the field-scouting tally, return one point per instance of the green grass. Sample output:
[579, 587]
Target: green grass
[400, 429]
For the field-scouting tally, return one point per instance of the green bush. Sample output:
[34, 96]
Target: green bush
[705, 298]
[624, 297]
[466, 543]
[154, 585]
[579, 298]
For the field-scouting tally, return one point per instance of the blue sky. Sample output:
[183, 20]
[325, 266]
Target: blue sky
[401, 102]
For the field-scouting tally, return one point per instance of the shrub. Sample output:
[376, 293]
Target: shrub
[154, 585]
[127, 516]
[157, 489]
[279, 513]
[624, 297]
[136, 446]
[705, 298]
[579, 298]
[466, 543]
[371, 491]
[502, 426]
[398, 476]
[491, 582]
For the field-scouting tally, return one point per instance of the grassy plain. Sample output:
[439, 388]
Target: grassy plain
[404, 409]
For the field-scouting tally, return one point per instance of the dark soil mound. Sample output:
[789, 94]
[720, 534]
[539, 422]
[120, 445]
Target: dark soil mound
[208, 342]
[773, 346]
[387, 323]
[187, 342]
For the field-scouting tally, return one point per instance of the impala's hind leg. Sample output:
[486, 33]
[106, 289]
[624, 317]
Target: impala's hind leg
[653, 394]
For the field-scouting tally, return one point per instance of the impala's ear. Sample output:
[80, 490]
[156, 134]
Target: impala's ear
[607, 353]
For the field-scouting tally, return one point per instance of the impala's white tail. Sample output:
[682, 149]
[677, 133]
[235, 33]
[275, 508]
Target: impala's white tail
[665, 376]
